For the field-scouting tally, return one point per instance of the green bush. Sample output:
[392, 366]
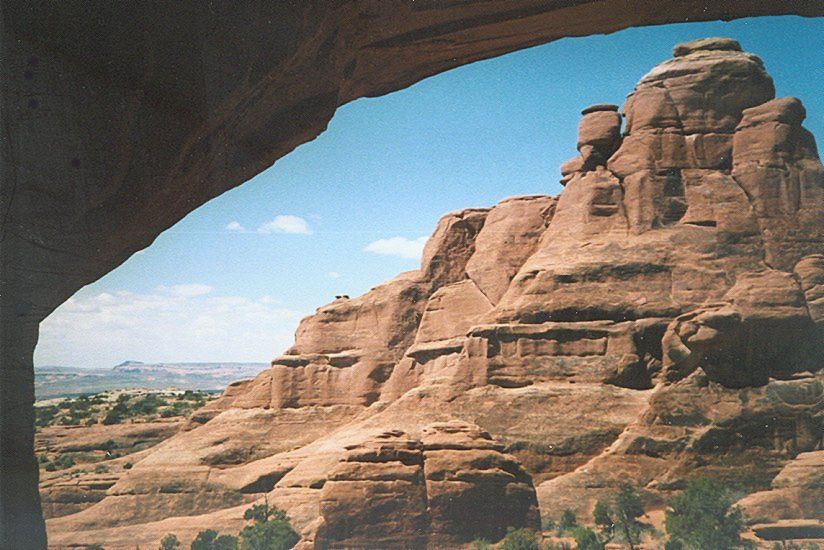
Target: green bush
[210, 540]
[146, 405]
[568, 522]
[628, 508]
[44, 415]
[115, 416]
[270, 530]
[587, 539]
[703, 517]
[61, 462]
[480, 544]
[169, 542]
[520, 539]
[604, 520]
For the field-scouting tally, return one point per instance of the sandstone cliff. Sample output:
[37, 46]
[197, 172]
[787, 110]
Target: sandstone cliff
[662, 318]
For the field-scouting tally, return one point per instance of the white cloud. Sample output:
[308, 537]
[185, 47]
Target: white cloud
[173, 324]
[190, 290]
[334, 274]
[398, 246]
[235, 226]
[286, 224]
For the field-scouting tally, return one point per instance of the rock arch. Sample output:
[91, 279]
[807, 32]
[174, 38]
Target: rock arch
[118, 120]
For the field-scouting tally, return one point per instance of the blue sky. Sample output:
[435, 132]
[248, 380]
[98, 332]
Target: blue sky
[230, 281]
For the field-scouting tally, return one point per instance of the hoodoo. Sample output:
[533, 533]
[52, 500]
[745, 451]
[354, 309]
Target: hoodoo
[662, 318]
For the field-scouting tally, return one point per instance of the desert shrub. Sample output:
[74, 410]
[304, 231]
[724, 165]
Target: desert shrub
[60, 462]
[101, 469]
[480, 544]
[116, 415]
[210, 540]
[128, 466]
[44, 415]
[270, 530]
[97, 399]
[628, 508]
[520, 539]
[95, 547]
[604, 520]
[587, 539]
[144, 406]
[169, 542]
[568, 522]
[703, 516]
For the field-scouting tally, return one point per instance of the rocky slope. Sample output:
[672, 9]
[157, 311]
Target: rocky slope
[662, 318]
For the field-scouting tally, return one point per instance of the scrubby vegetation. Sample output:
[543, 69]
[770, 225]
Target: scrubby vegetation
[59, 462]
[211, 540]
[784, 545]
[169, 542]
[270, 530]
[520, 539]
[136, 407]
[115, 408]
[703, 516]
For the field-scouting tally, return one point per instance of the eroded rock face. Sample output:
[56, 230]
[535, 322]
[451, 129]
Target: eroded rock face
[661, 319]
[451, 487]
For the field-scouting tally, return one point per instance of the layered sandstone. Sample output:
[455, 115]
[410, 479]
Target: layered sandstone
[660, 319]
[147, 113]
[447, 489]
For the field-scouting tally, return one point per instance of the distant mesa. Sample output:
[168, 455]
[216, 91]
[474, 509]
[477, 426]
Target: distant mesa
[54, 381]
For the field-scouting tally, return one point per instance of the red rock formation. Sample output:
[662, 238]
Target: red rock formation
[661, 319]
[452, 487]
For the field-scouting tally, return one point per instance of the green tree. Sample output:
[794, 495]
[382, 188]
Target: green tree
[520, 539]
[587, 539]
[270, 530]
[703, 517]
[567, 522]
[169, 542]
[628, 508]
[210, 540]
[604, 520]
